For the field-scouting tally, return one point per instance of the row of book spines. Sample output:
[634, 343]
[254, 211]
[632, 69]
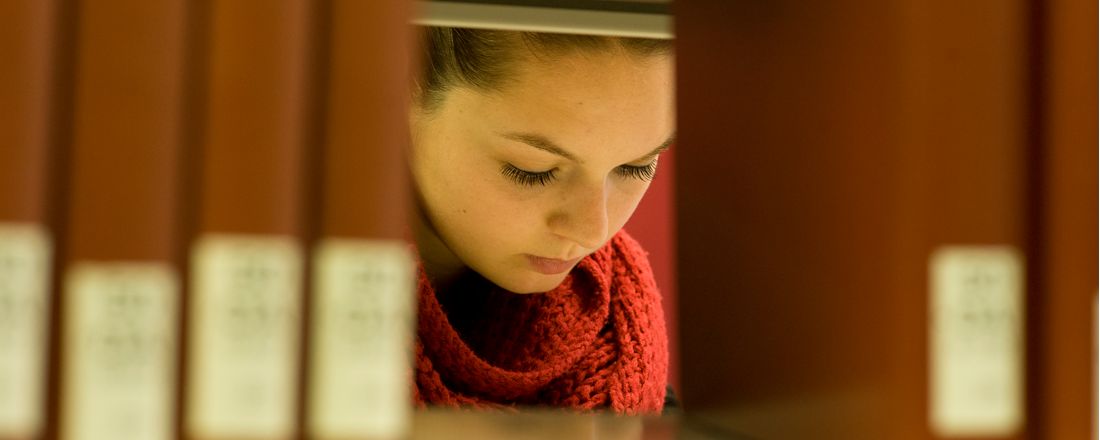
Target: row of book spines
[120, 369]
[140, 101]
[223, 95]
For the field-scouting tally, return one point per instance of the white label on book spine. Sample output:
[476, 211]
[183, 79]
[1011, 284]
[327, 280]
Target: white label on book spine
[363, 321]
[976, 341]
[24, 278]
[120, 342]
[245, 336]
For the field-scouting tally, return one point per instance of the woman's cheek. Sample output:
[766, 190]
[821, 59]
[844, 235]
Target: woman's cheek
[625, 204]
[512, 215]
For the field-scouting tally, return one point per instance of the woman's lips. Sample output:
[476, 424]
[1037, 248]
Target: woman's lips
[551, 266]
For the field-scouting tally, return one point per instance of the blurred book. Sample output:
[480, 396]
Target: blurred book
[363, 303]
[246, 259]
[119, 311]
[28, 44]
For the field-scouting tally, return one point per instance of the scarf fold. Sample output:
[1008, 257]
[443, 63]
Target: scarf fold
[597, 341]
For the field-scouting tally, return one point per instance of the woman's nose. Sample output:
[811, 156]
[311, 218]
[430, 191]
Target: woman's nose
[583, 217]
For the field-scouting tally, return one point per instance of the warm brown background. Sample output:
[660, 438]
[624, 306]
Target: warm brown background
[826, 149]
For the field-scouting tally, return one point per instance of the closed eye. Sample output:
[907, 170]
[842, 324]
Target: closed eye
[542, 178]
[527, 178]
[644, 172]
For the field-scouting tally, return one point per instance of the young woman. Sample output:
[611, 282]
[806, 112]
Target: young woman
[529, 153]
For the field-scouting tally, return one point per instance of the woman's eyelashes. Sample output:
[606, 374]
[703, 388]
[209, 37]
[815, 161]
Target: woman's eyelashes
[527, 178]
[644, 172]
[543, 178]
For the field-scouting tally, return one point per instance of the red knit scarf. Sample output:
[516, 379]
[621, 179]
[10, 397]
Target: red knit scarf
[597, 341]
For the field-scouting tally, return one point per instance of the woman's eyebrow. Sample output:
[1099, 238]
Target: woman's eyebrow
[660, 149]
[542, 143]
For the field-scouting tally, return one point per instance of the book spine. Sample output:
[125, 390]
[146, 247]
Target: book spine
[121, 288]
[246, 258]
[363, 306]
[27, 43]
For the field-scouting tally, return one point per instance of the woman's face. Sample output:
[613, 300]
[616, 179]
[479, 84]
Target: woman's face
[520, 184]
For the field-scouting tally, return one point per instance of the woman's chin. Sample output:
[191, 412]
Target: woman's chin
[531, 283]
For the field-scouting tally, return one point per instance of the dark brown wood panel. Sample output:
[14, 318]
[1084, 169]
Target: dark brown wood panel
[826, 151]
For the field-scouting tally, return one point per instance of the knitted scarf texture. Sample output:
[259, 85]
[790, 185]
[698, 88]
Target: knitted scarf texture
[595, 342]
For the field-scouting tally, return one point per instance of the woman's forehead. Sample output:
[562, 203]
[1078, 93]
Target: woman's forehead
[615, 99]
[612, 77]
